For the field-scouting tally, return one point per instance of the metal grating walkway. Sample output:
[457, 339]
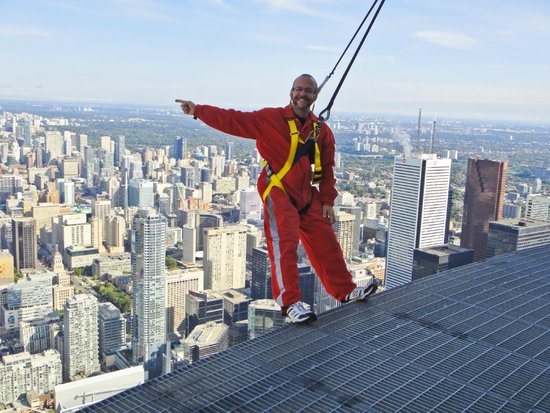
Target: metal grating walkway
[473, 339]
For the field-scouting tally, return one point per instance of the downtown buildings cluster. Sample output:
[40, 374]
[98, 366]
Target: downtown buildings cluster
[179, 230]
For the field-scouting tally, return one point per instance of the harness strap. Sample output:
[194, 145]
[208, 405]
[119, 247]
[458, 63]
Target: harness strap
[275, 179]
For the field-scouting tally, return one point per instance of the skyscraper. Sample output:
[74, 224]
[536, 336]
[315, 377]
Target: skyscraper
[141, 193]
[432, 260]
[264, 316]
[80, 340]
[229, 151]
[91, 165]
[205, 221]
[202, 307]
[66, 191]
[26, 129]
[250, 204]
[112, 329]
[148, 289]
[260, 286]
[53, 144]
[179, 147]
[178, 284]
[418, 212]
[538, 207]
[27, 300]
[357, 212]
[120, 149]
[25, 244]
[509, 235]
[483, 202]
[81, 142]
[23, 372]
[225, 257]
[68, 138]
[344, 228]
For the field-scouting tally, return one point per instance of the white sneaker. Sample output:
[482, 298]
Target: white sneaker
[362, 292]
[300, 312]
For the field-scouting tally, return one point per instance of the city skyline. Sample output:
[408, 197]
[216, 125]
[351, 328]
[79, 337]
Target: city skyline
[469, 60]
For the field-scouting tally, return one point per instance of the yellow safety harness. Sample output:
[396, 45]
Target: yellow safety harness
[275, 179]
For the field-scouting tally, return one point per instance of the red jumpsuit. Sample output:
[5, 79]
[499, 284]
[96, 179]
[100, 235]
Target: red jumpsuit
[284, 224]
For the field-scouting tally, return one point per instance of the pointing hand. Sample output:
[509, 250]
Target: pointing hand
[187, 106]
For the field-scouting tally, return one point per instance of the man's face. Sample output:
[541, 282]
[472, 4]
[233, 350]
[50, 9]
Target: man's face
[303, 93]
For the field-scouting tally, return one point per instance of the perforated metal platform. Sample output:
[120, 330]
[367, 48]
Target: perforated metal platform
[473, 339]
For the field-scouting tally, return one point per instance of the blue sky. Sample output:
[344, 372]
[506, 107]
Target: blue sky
[483, 59]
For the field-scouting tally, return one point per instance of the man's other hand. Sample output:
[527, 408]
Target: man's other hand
[328, 212]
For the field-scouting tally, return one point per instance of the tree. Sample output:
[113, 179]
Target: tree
[171, 263]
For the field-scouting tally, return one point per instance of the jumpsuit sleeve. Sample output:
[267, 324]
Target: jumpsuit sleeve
[327, 186]
[230, 121]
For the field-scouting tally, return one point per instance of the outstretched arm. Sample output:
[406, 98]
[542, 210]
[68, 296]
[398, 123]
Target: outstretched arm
[233, 122]
[187, 106]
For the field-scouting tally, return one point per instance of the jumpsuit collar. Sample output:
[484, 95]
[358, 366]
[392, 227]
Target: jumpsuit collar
[289, 114]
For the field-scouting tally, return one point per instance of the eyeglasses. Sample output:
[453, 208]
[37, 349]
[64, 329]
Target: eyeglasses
[306, 90]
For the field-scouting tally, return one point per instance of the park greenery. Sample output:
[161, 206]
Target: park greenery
[171, 263]
[80, 271]
[110, 293]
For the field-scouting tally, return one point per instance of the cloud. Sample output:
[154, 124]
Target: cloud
[305, 7]
[16, 30]
[145, 9]
[453, 40]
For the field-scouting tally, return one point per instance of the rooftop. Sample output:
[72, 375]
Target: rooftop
[472, 339]
[444, 250]
[520, 223]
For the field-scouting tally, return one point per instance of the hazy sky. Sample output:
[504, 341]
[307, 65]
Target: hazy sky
[468, 58]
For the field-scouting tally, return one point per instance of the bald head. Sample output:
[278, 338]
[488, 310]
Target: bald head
[303, 77]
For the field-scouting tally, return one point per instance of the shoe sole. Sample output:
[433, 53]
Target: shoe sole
[308, 320]
[371, 289]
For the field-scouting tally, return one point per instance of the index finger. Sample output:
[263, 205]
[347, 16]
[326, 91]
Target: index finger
[181, 101]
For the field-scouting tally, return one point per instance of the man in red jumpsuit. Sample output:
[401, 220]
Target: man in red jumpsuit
[298, 211]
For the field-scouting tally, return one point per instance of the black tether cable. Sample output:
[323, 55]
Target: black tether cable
[347, 47]
[322, 117]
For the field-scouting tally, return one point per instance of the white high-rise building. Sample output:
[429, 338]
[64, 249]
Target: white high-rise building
[29, 299]
[189, 239]
[66, 191]
[225, 257]
[250, 204]
[68, 138]
[105, 143]
[148, 290]
[217, 163]
[178, 284]
[101, 208]
[53, 144]
[81, 337]
[418, 212]
[141, 193]
[116, 230]
[22, 372]
[71, 230]
[538, 207]
[344, 228]
[39, 334]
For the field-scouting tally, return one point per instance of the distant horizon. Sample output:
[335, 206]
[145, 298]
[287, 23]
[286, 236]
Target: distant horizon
[413, 117]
